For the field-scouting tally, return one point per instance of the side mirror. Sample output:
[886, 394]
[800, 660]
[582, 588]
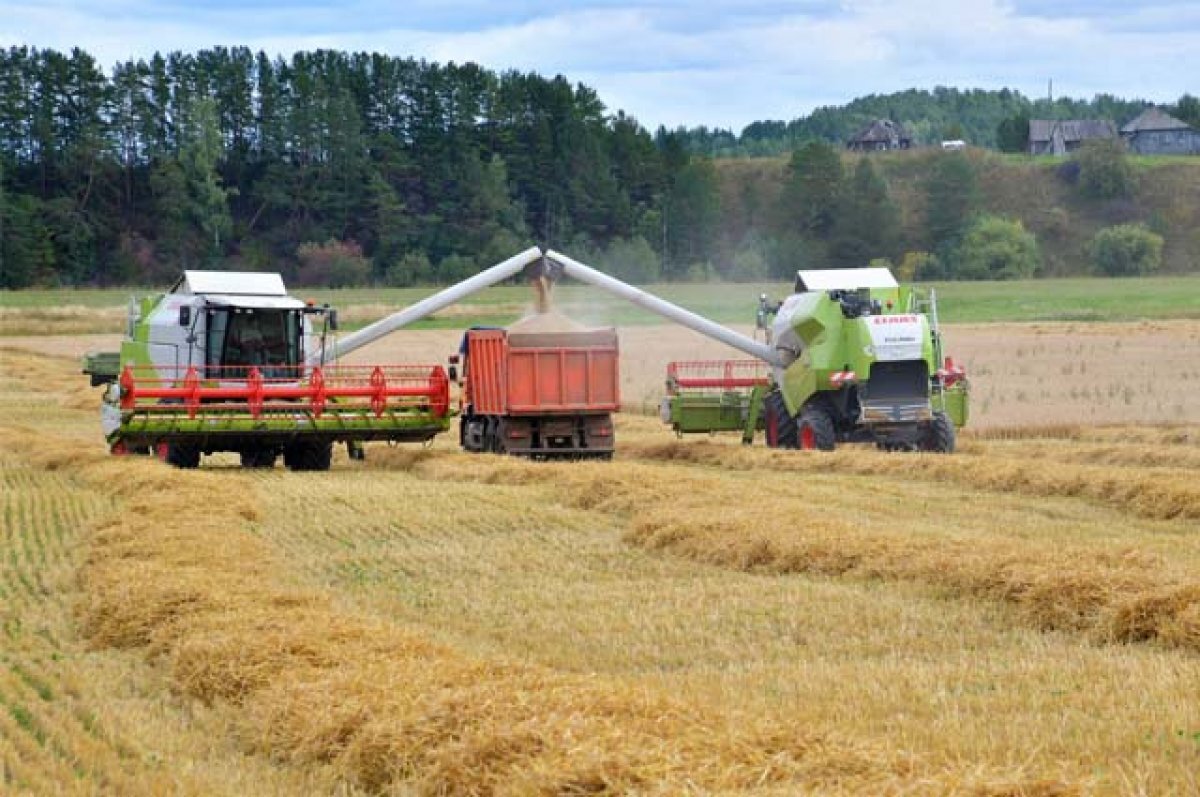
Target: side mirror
[333, 320]
[185, 315]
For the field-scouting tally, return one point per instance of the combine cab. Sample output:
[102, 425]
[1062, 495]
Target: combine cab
[227, 361]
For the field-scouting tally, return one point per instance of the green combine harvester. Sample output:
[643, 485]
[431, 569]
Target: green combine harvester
[228, 361]
[851, 356]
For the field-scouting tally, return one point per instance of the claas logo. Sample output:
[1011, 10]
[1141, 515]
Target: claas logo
[894, 319]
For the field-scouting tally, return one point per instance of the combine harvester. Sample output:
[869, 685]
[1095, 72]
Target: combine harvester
[849, 357]
[227, 361]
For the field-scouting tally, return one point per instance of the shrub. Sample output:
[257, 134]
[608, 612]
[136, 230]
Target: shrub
[413, 269]
[631, 259]
[1125, 250]
[333, 264]
[997, 248]
[1104, 171]
[918, 265]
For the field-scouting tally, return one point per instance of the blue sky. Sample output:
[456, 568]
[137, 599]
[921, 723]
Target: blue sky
[673, 62]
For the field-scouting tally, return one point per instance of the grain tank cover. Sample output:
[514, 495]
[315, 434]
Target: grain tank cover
[844, 279]
[245, 283]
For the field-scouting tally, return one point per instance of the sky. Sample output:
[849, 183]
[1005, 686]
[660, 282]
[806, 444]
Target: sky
[720, 63]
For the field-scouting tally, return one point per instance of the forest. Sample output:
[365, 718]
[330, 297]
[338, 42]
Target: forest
[354, 168]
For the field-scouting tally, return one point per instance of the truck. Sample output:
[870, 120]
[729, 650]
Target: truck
[538, 393]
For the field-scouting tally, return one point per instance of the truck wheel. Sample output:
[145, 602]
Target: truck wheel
[183, 456]
[308, 455]
[939, 436]
[816, 429]
[779, 423]
[258, 458]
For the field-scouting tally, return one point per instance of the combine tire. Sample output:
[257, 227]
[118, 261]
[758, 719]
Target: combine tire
[815, 430]
[939, 436]
[258, 458]
[183, 456]
[779, 423]
[308, 455]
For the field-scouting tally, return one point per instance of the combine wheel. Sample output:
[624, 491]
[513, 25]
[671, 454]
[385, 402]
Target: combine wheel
[258, 458]
[816, 429]
[939, 436]
[779, 423]
[308, 455]
[183, 456]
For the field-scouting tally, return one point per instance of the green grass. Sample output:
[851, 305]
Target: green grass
[1075, 299]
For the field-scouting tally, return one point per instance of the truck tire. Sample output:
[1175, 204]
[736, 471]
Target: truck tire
[939, 437]
[815, 431]
[779, 424]
[308, 455]
[258, 458]
[183, 456]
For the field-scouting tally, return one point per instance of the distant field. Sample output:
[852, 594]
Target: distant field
[37, 312]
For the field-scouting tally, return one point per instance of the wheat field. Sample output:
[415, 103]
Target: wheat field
[695, 617]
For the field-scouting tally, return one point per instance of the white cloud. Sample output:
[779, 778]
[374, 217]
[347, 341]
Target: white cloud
[675, 62]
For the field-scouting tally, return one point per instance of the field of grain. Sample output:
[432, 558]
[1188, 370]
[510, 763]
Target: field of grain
[695, 617]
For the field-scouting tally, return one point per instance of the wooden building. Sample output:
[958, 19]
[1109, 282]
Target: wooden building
[1155, 132]
[882, 134]
[1060, 136]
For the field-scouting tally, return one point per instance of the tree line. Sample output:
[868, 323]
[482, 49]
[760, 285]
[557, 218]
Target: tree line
[372, 167]
[983, 118]
[354, 168]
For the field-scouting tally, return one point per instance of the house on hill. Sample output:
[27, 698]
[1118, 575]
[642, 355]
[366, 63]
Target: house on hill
[1060, 136]
[882, 134]
[1155, 132]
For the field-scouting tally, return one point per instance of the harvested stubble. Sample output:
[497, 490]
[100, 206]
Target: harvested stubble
[1160, 495]
[384, 706]
[1114, 594]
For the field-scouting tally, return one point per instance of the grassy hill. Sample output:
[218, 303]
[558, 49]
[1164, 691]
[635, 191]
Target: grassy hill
[1166, 197]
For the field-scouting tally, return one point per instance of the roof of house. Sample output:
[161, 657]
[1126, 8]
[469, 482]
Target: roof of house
[880, 130]
[1072, 129]
[1154, 119]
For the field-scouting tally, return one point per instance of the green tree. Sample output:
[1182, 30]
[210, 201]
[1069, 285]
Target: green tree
[208, 205]
[868, 223]
[693, 211]
[951, 198]
[812, 190]
[1104, 170]
[998, 249]
[1125, 250]
[1012, 134]
[1188, 110]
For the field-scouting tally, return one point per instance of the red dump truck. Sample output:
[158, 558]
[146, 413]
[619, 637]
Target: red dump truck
[538, 393]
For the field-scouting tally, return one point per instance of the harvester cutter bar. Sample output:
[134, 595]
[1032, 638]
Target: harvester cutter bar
[339, 391]
[722, 375]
